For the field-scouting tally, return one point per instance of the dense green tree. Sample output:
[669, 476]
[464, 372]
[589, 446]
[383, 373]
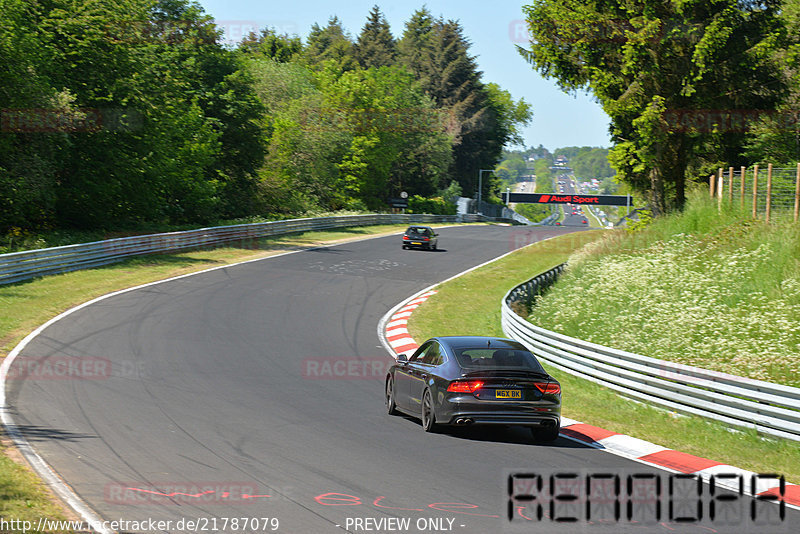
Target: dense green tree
[587, 162]
[775, 138]
[305, 140]
[155, 121]
[29, 160]
[474, 121]
[194, 155]
[451, 192]
[511, 115]
[642, 59]
[330, 43]
[481, 118]
[375, 46]
[415, 48]
[397, 142]
[538, 152]
[270, 44]
[125, 112]
[512, 169]
[591, 162]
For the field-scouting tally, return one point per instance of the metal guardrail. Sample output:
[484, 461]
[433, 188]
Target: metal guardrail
[769, 408]
[519, 218]
[18, 266]
[550, 219]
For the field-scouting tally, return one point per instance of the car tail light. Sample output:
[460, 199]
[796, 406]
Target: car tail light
[406, 238]
[426, 238]
[549, 388]
[464, 386]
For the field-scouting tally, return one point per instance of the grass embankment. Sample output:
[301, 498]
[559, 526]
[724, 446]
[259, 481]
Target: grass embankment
[26, 305]
[718, 291]
[470, 304]
[594, 220]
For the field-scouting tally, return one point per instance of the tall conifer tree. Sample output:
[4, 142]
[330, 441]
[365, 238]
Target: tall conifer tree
[415, 49]
[330, 42]
[375, 46]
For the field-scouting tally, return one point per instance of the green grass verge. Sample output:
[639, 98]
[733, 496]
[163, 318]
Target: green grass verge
[562, 214]
[470, 305]
[594, 221]
[706, 288]
[26, 305]
[23, 496]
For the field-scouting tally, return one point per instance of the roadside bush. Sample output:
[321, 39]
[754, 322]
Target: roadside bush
[434, 206]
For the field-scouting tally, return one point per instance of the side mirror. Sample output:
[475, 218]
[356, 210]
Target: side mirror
[402, 358]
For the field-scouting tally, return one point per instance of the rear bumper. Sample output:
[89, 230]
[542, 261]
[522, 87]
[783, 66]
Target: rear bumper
[466, 410]
[549, 420]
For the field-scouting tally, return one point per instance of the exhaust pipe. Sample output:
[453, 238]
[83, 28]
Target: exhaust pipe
[464, 421]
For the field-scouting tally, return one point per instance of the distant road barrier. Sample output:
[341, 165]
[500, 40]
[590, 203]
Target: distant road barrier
[769, 408]
[18, 266]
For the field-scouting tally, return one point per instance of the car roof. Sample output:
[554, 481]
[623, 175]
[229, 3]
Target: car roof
[419, 226]
[472, 342]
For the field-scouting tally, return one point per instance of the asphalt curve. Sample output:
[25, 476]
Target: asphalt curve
[254, 393]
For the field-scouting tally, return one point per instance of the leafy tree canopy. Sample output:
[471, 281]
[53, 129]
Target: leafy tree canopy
[645, 58]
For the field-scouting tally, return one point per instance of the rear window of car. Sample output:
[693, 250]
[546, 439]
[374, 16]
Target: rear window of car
[483, 358]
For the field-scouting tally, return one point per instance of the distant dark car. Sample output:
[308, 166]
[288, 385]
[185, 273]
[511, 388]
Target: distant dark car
[475, 380]
[420, 237]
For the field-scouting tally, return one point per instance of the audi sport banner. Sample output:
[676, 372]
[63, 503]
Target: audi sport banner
[543, 198]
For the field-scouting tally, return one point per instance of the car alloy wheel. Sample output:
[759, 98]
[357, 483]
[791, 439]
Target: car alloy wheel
[428, 414]
[391, 407]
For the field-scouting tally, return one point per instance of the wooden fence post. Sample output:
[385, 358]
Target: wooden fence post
[741, 191]
[712, 184]
[797, 194]
[730, 184]
[720, 187]
[755, 191]
[769, 190]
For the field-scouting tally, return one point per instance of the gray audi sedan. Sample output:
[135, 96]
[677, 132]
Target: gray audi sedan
[472, 380]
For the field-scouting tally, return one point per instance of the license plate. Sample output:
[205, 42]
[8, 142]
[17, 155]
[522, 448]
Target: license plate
[416, 243]
[508, 394]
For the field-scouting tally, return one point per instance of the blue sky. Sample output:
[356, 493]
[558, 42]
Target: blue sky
[493, 27]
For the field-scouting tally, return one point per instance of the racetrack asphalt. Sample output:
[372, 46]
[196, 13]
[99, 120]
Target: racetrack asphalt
[256, 391]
